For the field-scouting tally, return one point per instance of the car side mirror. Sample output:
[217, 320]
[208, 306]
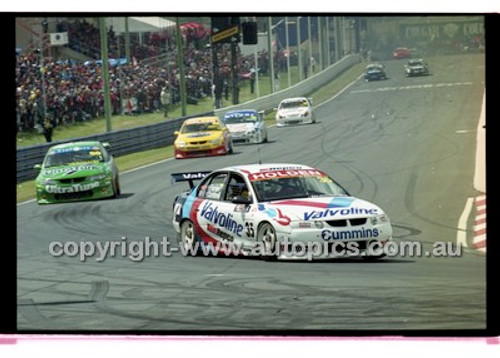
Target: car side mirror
[106, 145]
[37, 166]
[176, 133]
[240, 199]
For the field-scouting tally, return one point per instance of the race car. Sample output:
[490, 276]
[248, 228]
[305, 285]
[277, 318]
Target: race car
[401, 52]
[77, 171]
[246, 126]
[416, 67]
[266, 209]
[202, 136]
[297, 110]
[375, 71]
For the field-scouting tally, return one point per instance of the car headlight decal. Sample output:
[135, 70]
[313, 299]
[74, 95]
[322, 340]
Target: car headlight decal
[97, 177]
[48, 182]
[379, 219]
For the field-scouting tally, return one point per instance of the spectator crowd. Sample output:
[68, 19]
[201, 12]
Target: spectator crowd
[73, 92]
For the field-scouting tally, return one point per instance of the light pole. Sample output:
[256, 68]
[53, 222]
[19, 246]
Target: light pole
[42, 73]
[336, 35]
[180, 65]
[320, 42]
[328, 59]
[299, 50]
[287, 52]
[105, 72]
[127, 42]
[270, 46]
[309, 40]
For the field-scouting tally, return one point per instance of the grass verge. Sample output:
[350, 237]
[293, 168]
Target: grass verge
[26, 190]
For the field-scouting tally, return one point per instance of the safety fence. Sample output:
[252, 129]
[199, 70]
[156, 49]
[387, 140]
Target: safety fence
[126, 141]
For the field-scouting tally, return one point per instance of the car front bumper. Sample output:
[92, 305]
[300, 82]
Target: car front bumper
[199, 152]
[50, 194]
[281, 122]
[332, 242]
[247, 137]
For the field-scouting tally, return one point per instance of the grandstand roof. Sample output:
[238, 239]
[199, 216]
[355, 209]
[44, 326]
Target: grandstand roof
[139, 24]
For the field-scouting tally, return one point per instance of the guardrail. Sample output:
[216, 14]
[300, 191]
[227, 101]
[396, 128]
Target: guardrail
[126, 141]
[304, 88]
[123, 141]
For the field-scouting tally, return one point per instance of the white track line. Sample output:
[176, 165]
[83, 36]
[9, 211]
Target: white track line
[462, 223]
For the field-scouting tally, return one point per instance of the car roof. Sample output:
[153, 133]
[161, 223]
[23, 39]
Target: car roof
[255, 168]
[294, 99]
[202, 120]
[89, 143]
[241, 111]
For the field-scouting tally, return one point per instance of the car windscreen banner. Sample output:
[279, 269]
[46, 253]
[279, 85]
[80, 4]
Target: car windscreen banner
[188, 176]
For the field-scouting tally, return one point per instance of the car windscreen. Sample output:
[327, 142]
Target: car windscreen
[240, 118]
[294, 187]
[73, 156]
[294, 104]
[200, 127]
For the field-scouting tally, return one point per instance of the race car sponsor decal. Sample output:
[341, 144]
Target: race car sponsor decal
[193, 205]
[54, 189]
[321, 214]
[285, 174]
[351, 234]
[240, 114]
[71, 169]
[197, 135]
[275, 214]
[337, 202]
[211, 213]
[74, 149]
[216, 231]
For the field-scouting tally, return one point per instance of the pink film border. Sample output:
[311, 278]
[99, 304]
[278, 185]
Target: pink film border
[13, 339]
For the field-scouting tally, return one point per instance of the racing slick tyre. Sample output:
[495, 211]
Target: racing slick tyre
[229, 149]
[373, 257]
[260, 137]
[187, 239]
[266, 234]
[116, 187]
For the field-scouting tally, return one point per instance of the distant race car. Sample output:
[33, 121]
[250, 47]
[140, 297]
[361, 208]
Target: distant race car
[246, 126]
[375, 71]
[202, 136]
[401, 52]
[416, 67]
[266, 209]
[298, 110]
[77, 171]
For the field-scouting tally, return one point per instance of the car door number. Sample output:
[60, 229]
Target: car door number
[250, 232]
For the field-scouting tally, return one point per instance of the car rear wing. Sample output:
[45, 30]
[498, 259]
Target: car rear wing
[189, 177]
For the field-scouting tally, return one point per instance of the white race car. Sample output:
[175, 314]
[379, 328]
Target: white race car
[246, 126]
[286, 211]
[297, 110]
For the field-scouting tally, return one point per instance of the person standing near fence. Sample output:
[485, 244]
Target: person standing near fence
[48, 128]
[165, 100]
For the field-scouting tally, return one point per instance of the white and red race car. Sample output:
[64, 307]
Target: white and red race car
[276, 211]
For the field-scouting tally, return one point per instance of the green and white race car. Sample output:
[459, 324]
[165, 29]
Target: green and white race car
[77, 171]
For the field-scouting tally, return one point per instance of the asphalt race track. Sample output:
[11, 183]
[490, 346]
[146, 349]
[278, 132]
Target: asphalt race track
[406, 144]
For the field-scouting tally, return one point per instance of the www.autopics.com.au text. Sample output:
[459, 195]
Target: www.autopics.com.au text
[138, 250]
